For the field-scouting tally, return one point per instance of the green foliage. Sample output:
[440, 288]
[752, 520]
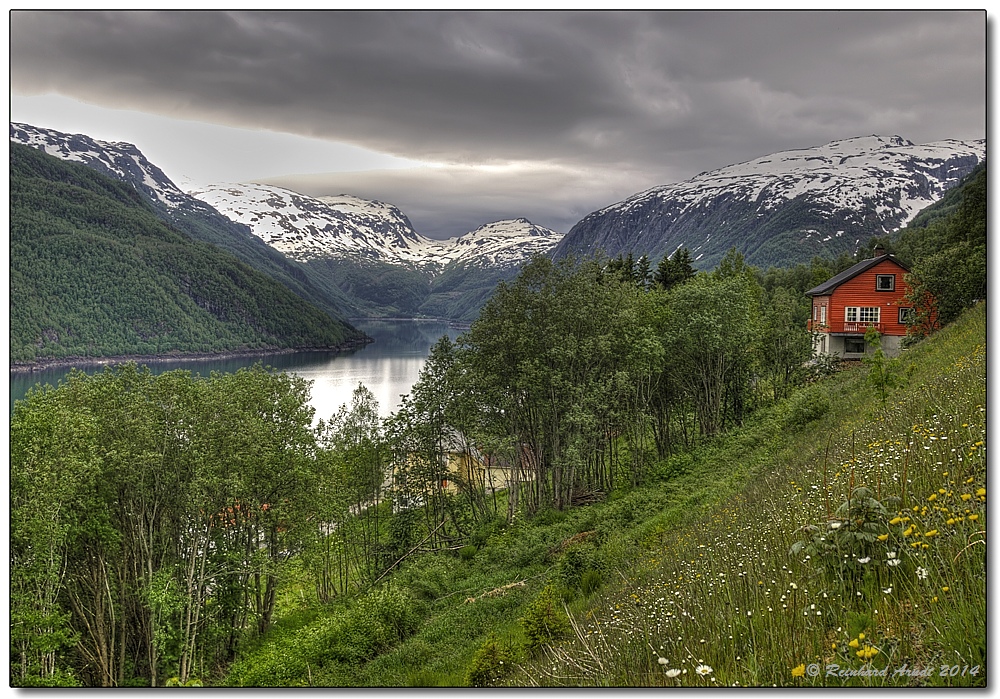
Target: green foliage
[95, 273]
[372, 288]
[165, 508]
[717, 566]
[807, 405]
[946, 250]
[884, 374]
[712, 337]
[544, 621]
[590, 582]
[492, 661]
[674, 270]
[375, 622]
[823, 365]
[848, 547]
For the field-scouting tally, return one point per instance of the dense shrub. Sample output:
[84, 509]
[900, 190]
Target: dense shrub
[378, 620]
[492, 662]
[543, 621]
[806, 406]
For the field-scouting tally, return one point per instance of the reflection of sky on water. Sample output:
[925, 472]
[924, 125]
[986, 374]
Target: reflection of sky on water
[386, 377]
[388, 367]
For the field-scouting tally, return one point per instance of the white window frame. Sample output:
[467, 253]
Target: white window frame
[904, 311]
[822, 315]
[862, 314]
[878, 282]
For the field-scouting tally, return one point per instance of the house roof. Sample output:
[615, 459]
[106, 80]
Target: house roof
[833, 282]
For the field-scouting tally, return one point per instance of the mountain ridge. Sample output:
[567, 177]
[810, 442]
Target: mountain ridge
[95, 273]
[306, 228]
[784, 207]
[126, 163]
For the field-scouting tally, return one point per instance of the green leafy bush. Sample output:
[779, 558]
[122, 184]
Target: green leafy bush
[492, 662]
[848, 545]
[806, 406]
[543, 621]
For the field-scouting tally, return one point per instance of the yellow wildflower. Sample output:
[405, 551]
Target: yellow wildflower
[933, 496]
[896, 520]
[854, 643]
[945, 588]
[932, 532]
[867, 653]
[883, 537]
[973, 518]
[981, 492]
[799, 670]
[966, 497]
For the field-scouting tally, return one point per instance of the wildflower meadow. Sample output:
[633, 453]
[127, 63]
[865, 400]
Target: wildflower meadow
[848, 553]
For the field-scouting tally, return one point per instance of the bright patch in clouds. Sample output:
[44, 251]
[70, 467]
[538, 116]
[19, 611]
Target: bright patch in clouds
[194, 153]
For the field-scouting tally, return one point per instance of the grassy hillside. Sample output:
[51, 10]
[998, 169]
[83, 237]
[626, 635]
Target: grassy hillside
[94, 272]
[696, 579]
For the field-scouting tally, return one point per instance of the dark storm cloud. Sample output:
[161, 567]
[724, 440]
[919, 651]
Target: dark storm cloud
[666, 93]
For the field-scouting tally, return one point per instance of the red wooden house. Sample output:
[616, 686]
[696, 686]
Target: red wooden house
[869, 294]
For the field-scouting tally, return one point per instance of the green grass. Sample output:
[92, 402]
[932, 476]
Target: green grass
[720, 588]
[695, 568]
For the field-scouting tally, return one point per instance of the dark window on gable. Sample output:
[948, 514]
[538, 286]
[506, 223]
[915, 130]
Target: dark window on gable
[885, 282]
[854, 345]
[905, 316]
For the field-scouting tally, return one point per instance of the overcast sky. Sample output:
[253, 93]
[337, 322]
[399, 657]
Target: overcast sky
[460, 118]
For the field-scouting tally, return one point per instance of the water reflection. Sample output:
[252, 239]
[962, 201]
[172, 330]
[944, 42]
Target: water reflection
[389, 366]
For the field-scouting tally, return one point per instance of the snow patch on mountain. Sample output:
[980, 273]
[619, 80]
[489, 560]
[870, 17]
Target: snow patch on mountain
[119, 159]
[345, 226]
[891, 172]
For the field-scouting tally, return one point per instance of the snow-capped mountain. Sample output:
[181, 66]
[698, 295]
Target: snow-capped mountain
[120, 160]
[345, 254]
[125, 162]
[305, 228]
[502, 244]
[785, 207]
[347, 227]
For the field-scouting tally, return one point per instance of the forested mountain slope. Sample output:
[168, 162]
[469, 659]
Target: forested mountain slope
[96, 273]
[125, 162]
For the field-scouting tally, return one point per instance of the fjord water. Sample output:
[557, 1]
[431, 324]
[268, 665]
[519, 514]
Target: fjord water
[388, 367]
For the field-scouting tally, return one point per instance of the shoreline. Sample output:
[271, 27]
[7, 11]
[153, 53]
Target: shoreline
[67, 362]
[457, 324]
